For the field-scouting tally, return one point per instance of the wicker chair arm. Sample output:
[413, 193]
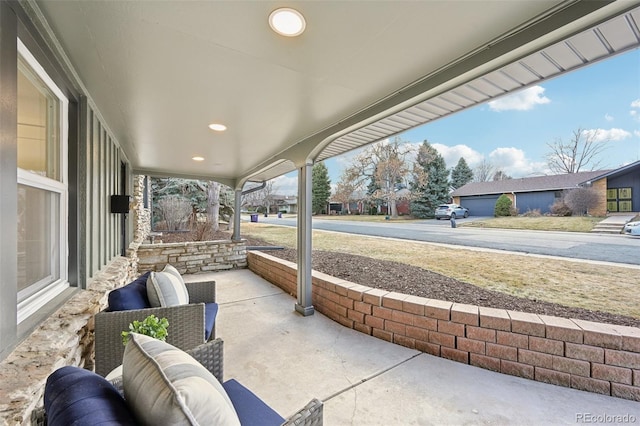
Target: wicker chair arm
[38, 417]
[210, 355]
[310, 415]
[186, 331]
[201, 291]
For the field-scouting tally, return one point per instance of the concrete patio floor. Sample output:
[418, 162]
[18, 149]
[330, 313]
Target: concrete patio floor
[287, 360]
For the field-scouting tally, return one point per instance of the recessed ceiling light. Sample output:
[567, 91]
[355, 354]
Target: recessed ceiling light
[197, 158]
[287, 22]
[217, 127]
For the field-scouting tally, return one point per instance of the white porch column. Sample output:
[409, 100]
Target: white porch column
[237, 205]
[304, 305]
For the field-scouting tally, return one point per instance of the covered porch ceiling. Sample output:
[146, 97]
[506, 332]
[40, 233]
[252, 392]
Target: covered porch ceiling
[161, 71]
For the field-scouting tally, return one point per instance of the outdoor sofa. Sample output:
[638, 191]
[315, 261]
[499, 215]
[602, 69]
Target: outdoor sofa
[190, 324]
[162, 385]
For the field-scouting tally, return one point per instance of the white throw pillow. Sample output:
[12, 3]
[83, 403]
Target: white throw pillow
[164, 385]
[172, 270]
[166, 288]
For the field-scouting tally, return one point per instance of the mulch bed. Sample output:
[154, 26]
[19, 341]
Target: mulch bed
[401, 278]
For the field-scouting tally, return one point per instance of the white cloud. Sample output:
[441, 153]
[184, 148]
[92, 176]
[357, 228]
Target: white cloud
[600, 135]
[521, 101]
[633, 113]
[514, 162]
[608, 117]
[286, 184]
[637, 133]
[452, 154]
[345, 160]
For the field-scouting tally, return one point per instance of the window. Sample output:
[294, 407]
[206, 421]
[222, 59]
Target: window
[42, 186]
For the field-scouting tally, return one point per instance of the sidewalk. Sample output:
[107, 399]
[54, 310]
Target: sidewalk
[287, 359]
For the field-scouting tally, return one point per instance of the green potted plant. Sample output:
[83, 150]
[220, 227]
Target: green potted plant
[150, 326]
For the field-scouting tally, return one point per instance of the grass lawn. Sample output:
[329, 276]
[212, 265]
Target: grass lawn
[542, 223]
[368, 218]
[571, 283]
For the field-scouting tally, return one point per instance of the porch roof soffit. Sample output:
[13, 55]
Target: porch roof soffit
[158, 90]
[514, 62]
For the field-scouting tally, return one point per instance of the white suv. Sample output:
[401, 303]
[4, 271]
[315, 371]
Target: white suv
[449, 211]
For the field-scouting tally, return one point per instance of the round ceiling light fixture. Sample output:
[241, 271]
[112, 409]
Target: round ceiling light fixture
[217, 127]
[197, 158]
[287, 22]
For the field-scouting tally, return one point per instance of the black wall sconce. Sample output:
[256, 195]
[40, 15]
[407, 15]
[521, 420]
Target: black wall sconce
[120, 203]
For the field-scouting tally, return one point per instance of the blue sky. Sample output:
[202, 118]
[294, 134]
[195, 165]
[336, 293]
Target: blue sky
[513, 132]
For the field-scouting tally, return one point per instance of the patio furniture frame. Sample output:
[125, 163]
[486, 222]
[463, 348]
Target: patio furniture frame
[186, 326]
[211, 356]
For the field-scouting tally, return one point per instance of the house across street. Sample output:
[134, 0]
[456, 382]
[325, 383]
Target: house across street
[618, 191]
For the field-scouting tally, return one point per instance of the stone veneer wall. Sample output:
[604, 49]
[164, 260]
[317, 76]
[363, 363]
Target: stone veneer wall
[66, 337]
[584, 355]
[193, 257]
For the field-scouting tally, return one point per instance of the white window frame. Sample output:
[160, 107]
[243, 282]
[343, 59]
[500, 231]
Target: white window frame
[42, 296]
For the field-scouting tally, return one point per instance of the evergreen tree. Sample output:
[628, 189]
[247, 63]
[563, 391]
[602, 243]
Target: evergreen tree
[461, 174]
[431, 182]
[503, 206]
[202, 197]
[373, 188]
[320, 187]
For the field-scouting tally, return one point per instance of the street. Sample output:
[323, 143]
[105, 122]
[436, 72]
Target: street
[576, 245]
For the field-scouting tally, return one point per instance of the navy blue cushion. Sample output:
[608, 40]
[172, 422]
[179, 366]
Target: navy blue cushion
[251, 410]
[75, 396]
[210, 313]
[130, 296]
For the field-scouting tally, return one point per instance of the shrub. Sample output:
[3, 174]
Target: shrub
[559, 208]
[504, 206]
[580, 200]
[202, 231]
[532, 213]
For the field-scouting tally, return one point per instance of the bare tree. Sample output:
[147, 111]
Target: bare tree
[264, 196]
[581, 152]
[213, 204]
[175, 211]
[251, 199]
[383, 162]
[344, 191]
[501, 175]
[483, 172]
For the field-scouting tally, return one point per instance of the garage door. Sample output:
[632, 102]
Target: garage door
[480, 205]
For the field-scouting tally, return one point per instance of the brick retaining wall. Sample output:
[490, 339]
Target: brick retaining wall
[584, 355]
